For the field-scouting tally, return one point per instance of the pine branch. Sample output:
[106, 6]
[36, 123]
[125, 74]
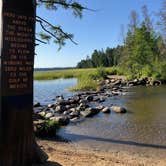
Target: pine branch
[55, 28]
[65, 4]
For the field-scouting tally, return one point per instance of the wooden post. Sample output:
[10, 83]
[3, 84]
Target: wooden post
[17, 39]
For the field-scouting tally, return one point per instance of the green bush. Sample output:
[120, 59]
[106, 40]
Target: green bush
[101, 72]
[85, 82]
[163, 70]
[46, 129]
[146, 71]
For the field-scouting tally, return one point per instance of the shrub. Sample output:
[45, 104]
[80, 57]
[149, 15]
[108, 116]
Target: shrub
[48, 128]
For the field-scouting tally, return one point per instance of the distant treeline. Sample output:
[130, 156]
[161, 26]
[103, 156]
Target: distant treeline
[109, 57]
[143, 52]
[53, 68]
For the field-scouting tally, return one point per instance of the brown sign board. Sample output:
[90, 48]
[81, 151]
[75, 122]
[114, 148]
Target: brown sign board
[17, 39]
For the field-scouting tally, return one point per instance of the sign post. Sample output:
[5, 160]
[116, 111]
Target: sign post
[17, 41]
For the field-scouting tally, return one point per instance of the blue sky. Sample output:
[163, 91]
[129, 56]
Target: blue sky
[96, 30]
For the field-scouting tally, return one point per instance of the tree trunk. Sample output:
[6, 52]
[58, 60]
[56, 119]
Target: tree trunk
[17, 28]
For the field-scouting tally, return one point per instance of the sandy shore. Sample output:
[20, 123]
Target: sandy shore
[66, 154]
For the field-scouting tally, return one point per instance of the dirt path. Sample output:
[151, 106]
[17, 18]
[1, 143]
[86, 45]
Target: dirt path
[65, 154]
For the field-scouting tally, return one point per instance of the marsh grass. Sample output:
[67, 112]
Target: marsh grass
[87, 78]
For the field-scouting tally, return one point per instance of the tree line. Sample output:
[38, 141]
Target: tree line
[143, 52]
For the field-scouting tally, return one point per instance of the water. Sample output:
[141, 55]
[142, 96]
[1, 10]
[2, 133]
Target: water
[142, 128]
[46, 91]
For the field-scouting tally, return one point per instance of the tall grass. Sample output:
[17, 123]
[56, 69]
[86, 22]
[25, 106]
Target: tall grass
[87, 78]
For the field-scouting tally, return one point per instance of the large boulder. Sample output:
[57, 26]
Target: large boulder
[89, 112]
[118, 109]
[61, 120]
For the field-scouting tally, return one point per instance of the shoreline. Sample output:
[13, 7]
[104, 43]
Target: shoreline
[66, 154]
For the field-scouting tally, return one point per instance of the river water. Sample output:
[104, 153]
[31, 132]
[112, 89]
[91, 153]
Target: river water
[142, 128]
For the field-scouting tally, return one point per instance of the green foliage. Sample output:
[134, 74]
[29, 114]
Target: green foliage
[85, 82]
[54, 31]
[108, 58]
[47, 129]
[101, 72]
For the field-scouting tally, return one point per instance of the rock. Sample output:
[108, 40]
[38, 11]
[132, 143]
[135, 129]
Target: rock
[96, 99]
[37, 104]
[49, 115]
[86, 113]
[107, 81]
[156, 83]
[101, 99]
[72, 101]
[74, 114]
[62, 102]
[61, 120]
[89, 112]
[42, 113]
[37, 110]
[66, 112]
[106, 110]
[89, 98]
[76, 119]
[82, 107]
[100, 107]
[51, 105]
[83, 101]
[72, 109]
[60, 97]
[118, 109]
[60, 109]
[117, 82]
[115, 93]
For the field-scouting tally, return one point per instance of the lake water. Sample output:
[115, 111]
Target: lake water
[143, 127]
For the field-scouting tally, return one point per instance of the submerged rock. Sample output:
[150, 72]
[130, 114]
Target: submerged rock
[118, 109]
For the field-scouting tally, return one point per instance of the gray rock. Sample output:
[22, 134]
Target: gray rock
[74, 114]
[86, 113]
[60, 109]
[89, 112]
[106, 110]
[49, 115]
[76, 119]
[51, 105]
[118, 109]
[42, 113]
[61, 120]
[89, 98]
[36, 104]
[100, 107]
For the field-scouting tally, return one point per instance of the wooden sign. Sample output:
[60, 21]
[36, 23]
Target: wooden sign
[17, 39]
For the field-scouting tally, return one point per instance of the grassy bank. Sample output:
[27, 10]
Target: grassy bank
[87, 78]
[76, 73]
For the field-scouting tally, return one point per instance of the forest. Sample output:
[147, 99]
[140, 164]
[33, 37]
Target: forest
[143, 52]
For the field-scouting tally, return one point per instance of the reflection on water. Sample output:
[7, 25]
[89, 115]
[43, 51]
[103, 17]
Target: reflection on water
[143, 126]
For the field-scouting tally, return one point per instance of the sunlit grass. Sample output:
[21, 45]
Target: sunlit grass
[87, 78]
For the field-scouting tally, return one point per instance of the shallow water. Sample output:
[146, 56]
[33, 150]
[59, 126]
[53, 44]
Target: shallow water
[143, 127]
[45, 92]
